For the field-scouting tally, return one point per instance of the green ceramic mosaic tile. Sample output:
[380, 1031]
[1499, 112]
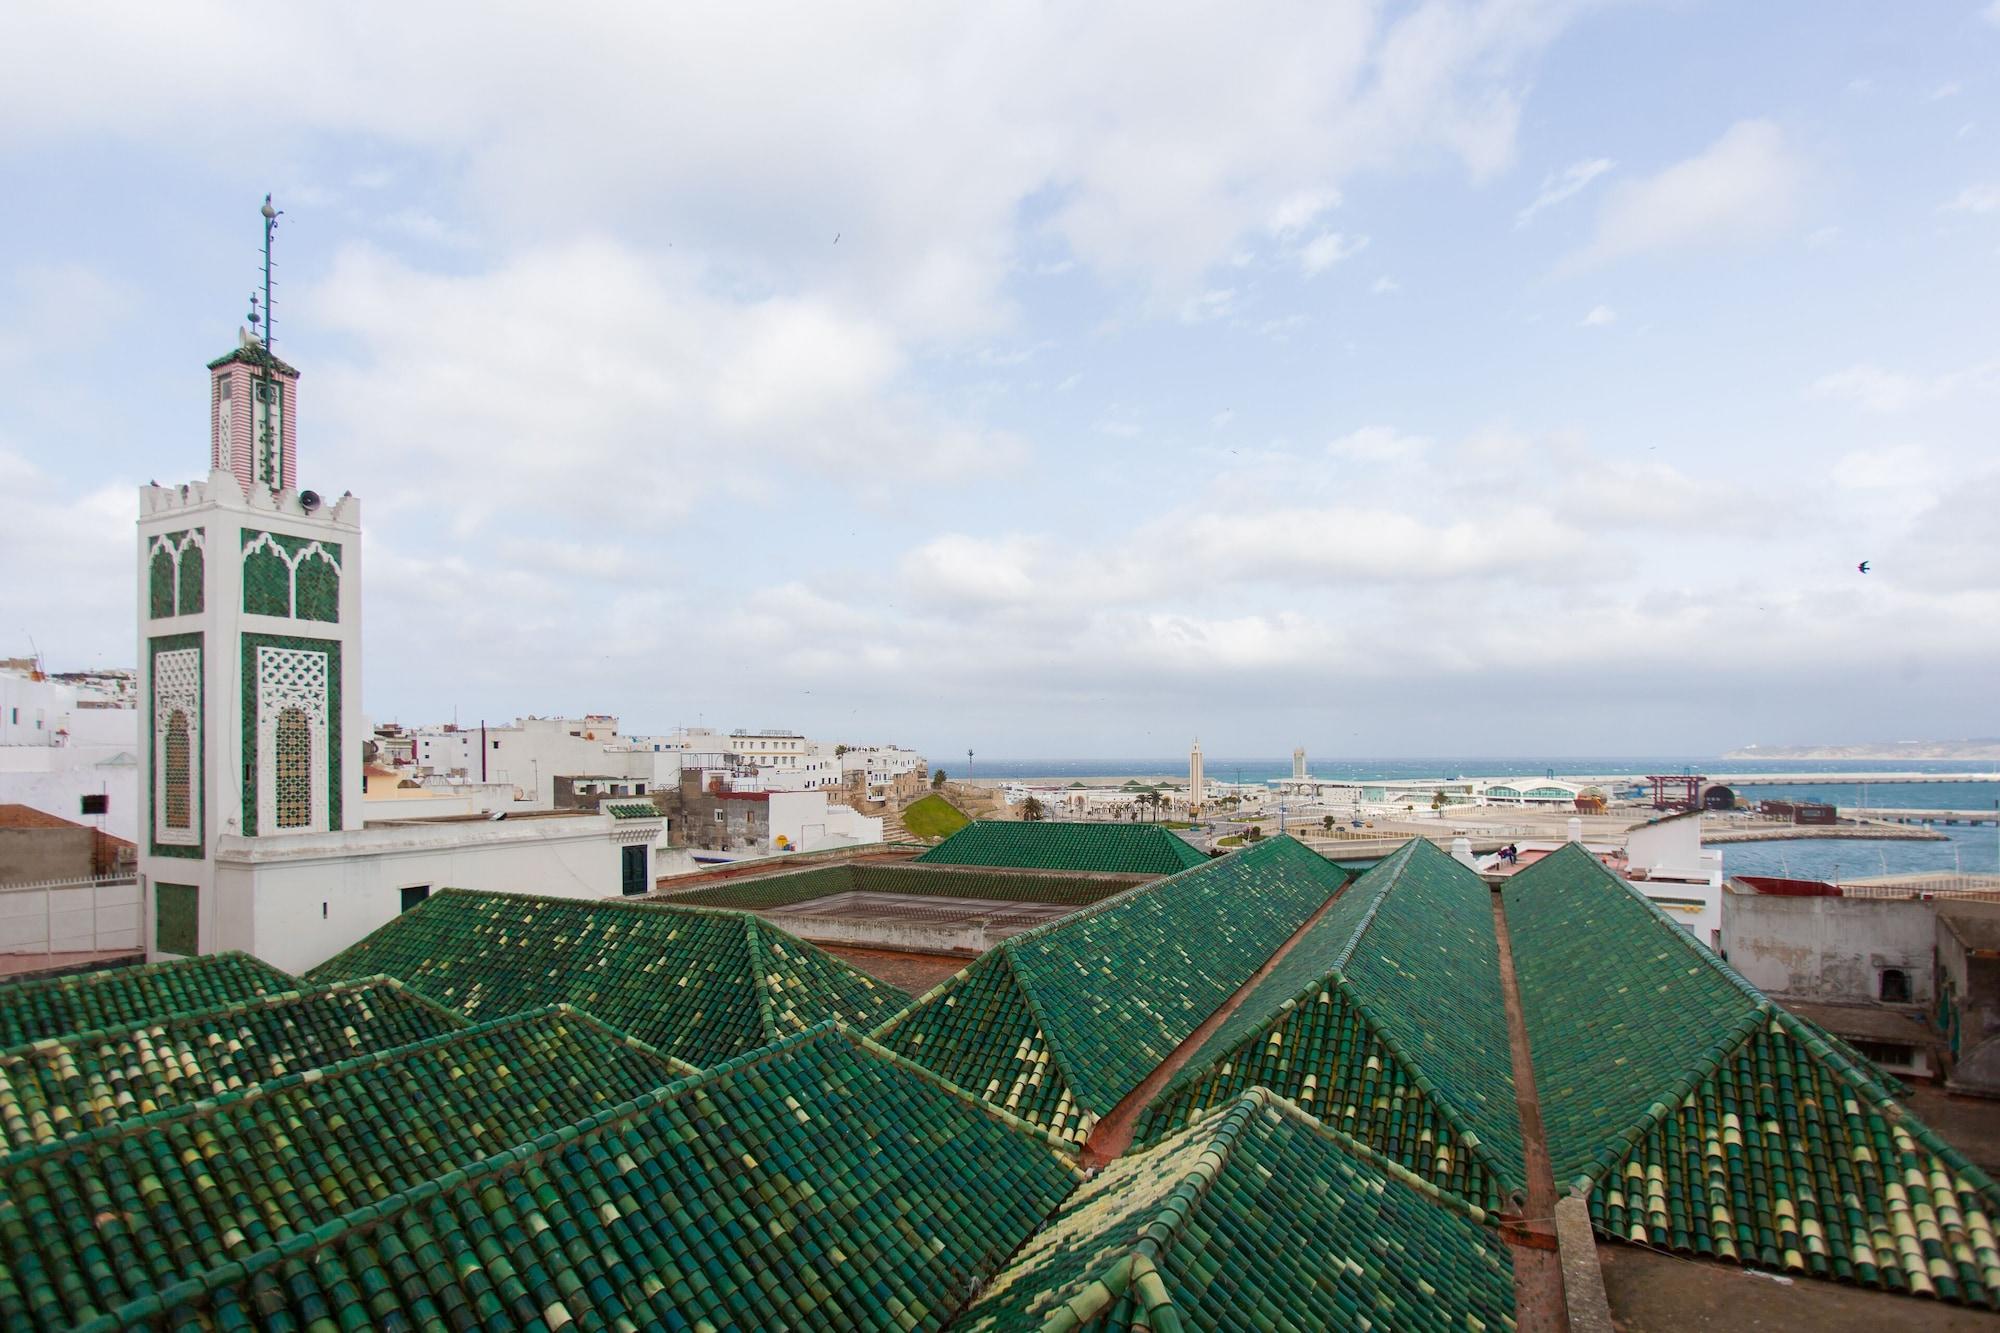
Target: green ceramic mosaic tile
[1347, 1025]
[160, 584]
[1618, 1010]
[1105, 849]
[1258, 1219]
[61, 1086]
[818, 1183]
[922, 881]
[1113, 990]
[118, 1214]
[698, 984]
[1780, 1159]
[32, 1010]
[1702, 1118]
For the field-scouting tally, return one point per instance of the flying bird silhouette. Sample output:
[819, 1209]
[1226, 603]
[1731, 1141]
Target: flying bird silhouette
[1863, 566]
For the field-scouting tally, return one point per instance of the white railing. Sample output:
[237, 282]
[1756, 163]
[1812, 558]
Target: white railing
[72, 916]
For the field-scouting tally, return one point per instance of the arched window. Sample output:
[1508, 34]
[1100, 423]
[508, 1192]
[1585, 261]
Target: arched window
[318, 589]
[162, 584]
[178, 778]
[191, 572]
[293, 769]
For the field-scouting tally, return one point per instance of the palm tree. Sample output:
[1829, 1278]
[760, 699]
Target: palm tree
[1031, 809]
[1326, 823]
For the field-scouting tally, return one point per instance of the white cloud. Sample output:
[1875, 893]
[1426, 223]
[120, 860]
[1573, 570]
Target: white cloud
[1378, 444]
[1600, 316]
[1384, 285]
[1879, 390]
[1556, 188]
[1211, 304]
[1328, 249]
[1299, 211]
[1974, 199]
[1744, 187]
[528, 387]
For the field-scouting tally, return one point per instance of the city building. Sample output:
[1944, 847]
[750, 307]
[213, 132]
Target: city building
[253, 830]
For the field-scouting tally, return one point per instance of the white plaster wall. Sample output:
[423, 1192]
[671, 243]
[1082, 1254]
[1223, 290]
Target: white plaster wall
[297, 914]
[1828, 948]
[58, 790]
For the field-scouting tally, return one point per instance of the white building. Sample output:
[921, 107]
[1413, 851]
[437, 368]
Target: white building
[880, 766]
[67, 738]
[251, 825]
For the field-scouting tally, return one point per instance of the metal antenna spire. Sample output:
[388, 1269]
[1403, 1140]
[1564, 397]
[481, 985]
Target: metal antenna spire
[271, 216]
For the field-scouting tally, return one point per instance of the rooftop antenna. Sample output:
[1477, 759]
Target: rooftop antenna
[268, 389]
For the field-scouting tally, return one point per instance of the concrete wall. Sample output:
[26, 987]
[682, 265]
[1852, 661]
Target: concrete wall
[1828, 948]
[30, 855]
[71, 920]
[296, 912]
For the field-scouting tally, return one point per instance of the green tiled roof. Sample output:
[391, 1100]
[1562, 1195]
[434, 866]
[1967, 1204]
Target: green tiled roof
[1063, 1021]
[1618, 1011]
[630, 809]
[1780, 1158]
[923, 881]
[1703, 1118]
[30, 1010]
[698, 984]
[1259, 1218]
[61, 1086]
[115, 1215]
[1108, 849]
[817, 1183]
[1386, 1020]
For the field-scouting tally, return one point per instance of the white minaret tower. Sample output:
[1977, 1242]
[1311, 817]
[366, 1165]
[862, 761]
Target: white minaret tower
[1197, 786]
[1299, 763]
[249, 655]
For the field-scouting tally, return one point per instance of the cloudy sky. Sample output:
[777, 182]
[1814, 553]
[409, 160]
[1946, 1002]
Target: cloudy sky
[1415, 379]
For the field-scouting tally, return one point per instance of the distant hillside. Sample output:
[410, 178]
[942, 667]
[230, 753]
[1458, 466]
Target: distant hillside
[1883, 751]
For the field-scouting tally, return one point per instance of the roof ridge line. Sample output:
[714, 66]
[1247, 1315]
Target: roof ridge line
[1157, 1234]
[269, 1000]
[1394, 877]
[1048, 1037]
[1892, 1110]
[1424, 1084]
[1008, 1118]
[753, 945]
[205, 1281]
[84, 980]
[1388, 1166]
[1680, 934]
[269, 1087]
[1628, 1140]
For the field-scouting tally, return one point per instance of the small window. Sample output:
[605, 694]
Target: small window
[95, 803]
[632, 870]
[1895, 986]
[496, 745]
[414, 894]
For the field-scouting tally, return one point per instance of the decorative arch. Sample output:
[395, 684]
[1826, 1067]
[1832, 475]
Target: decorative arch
[291, 577]
[177, 777]
[292, 771]
[317, 580]
[163, 580]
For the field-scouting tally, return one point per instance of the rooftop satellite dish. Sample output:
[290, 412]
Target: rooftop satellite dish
[309, 500]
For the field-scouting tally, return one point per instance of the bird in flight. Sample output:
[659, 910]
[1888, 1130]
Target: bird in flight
[1863, 566]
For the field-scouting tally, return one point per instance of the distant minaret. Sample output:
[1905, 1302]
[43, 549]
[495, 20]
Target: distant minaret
[1299, 762]
[1197, 790]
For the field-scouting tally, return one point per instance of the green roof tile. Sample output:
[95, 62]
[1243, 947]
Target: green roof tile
[1063, 1021]
[114, 1215]
[61, 1086]
[1387, 1020]
[1700, 1117]
[1109, 849]
[1258, 1218]
[1618, 1011]
[817, 1183]
[923, 881]
[30, 1010]
[698, 984]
